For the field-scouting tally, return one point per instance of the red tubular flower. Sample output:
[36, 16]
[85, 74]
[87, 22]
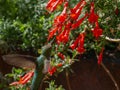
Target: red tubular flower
[80, 43]
[62, 17]
[100, 57]
[97, 31]
[74, 45]
[68, 25]
[77, 23]
[55, 5]
[76, 11]
[92, 7]
[59, 29]
[75, 15]
[52, 70]
[52, 33]
[93, 17]
[64, 35]
[61, 56]
[59, 65]
[52, 4]
[80, 48]
[76, 7]
[24, 79]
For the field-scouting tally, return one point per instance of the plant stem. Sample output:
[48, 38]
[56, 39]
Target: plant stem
[110, 39]
[68, 82]
[110, 75]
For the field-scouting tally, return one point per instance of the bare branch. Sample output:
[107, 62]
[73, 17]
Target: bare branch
[110, 39]
[110, 75]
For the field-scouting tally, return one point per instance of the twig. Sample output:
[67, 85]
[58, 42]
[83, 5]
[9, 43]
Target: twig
[110, 75]
[68, 82]
[110, 39]
[41, 85]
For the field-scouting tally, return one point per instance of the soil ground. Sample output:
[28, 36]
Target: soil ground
[88, 75]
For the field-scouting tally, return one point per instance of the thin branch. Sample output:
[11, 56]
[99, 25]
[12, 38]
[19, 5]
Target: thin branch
[110, 39]
[111, 76]
[44, 79]
[68, 82]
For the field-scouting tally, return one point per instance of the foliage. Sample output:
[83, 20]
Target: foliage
[15, 76]
[8, 78]
[24, 24]
[3, 81]
[52, 86]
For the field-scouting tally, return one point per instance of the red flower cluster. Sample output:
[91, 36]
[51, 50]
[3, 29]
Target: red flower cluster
[61, 55]
[78, 22]
[52, 70]
[76, 11]
[79, 43]
[24, 79]
[64, 35]
[62, 17]
[62, 23]
[52, 32]
[52, 4]
[69, 20]
[93, 17]
[59, 22]
[97, 31]
[60, 65]
[100, 57]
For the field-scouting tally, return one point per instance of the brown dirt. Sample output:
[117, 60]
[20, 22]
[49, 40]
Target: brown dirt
[88, 75]
[4, 68]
